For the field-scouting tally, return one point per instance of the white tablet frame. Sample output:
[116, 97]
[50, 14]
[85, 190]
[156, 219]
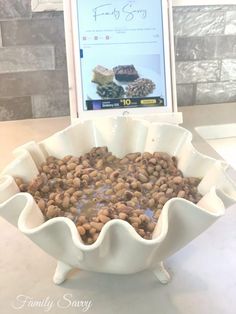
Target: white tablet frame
[74, 71]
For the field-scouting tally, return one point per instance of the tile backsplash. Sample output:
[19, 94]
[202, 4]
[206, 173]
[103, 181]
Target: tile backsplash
[33, 73]
[205, 52]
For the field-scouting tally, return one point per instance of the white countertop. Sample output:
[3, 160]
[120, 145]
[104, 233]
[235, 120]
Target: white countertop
[203, 273]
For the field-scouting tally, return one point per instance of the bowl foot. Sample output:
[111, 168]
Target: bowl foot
[161, 273]
[61, 272]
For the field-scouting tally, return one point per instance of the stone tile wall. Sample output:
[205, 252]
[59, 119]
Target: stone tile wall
[205, 49]
[33, 74]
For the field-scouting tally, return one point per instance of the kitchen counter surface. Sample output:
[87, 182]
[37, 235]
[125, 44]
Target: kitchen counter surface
[203, 273]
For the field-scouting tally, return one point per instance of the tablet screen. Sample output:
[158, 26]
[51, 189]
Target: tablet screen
[122, 55]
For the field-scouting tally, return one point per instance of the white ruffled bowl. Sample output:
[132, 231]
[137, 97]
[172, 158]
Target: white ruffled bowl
[118, 249]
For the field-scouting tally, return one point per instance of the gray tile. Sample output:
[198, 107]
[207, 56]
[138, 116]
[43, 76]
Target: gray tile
[205, 48]
[230, 26]
[47, 14]
[60, 57]
[185, 94]
[33, 32]
[198, 23]
[197, 71]
[15, 108]
[228, 71]
[203, 8]
[226, 46]
[0, 36]
[33, 83]
[220, 92]
[195, 48]
[33, 58]
[54, 105]
[15, 9]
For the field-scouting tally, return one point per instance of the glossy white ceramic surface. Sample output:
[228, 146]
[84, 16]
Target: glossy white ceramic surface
[118, 249]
